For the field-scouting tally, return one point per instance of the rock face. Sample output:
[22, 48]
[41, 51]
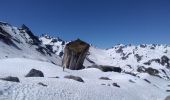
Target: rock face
[74, 54]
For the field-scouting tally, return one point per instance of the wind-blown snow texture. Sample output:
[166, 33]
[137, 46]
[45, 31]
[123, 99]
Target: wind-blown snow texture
[145, 70]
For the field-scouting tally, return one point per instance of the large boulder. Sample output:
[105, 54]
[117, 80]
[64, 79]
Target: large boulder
[74, 54]
[35, 73]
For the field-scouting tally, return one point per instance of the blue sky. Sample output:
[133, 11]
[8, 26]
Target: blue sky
[103, 23]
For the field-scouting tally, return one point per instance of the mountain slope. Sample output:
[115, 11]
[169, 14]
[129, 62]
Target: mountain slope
[135, 59]
[144, 76]
[21, 42]
[56, 45]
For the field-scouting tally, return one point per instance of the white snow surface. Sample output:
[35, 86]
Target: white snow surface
[67, 89]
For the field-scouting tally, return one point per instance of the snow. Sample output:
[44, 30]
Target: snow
[112, 58]
[57, 45]
[65, 89]
[18, 62]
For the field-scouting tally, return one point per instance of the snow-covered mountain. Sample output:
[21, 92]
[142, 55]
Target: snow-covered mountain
[145, 70]
[56, 45]
[21, 42]
[132, 59]
[135, 59]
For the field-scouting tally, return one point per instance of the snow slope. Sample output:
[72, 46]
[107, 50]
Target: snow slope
[66, 89]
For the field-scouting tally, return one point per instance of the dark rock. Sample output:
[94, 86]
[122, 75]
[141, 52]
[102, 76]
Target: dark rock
[115, 84]
[106, 68]
[143, 46]
[153, 60]
[43, 50]
[90, 60]
[138, 57]
[103, 84]
[131, 81]
[108, 84]
[127, 56]
[63, 43]
[61, 54]
[76, 78]
[50, 48]
[147, 81]
[166, 75]
[10, 78]
[54, 77]
[74, 54]
[35, 73]
[129, 66]
[165, 61]
[141, 69]
[120, 49]
[166, 51]
[53, 63]
[130, 73]
[152, 48]
[167, 98]
[42, 84]
[104, 78]
[147, 63]
[149, 70]
[54, 40]
[167, 90]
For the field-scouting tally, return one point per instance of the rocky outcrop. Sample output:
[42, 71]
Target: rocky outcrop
[164, 61]
[7, 38]
[74, 54]
[148, 70]
[35, 39]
